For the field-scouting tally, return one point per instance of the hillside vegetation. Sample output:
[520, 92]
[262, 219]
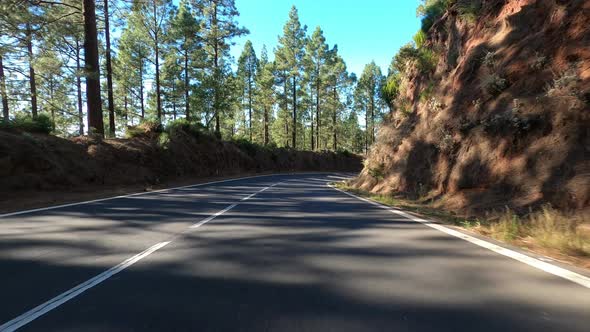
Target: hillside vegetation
[490, 109]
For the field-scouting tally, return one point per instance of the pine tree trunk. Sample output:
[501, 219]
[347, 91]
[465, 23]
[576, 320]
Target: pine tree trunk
[372, 118]
[366, 131]
[250, 106]
[186, 87]
[312, 126]
[109, 68]
[32, 79]
[157, 62]
[125, 102]
[317, 113]
[141, 89]
[334, 118]
[51, 97]
[94, 103]
[294, 112]
[79, 90]
[266, 138]
[217, 75]
[286, 106]
[3, 93]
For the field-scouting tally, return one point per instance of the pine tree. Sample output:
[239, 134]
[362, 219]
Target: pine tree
[184, 34]
[66, 36]
[316, 57]
[133, 56]
[154, 15]
[265, 95]
[367, 95]
[338, 80]
[247, 71]
[219, 27]
[289, 57]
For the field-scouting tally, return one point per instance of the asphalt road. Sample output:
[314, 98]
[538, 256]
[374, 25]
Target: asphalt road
[296, 256]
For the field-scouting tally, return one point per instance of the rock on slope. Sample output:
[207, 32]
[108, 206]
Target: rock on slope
[502, 119]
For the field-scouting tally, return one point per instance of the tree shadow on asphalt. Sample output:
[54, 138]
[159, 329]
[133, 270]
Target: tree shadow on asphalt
[299, 257]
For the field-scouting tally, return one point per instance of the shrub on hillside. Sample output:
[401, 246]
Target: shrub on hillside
[147, 127]
[420, 38]
[564, 84]
[424, 58]
[469, 10]
[431, 11]
[248, 147]
[195, 129]
[42, 124]
[494, 84]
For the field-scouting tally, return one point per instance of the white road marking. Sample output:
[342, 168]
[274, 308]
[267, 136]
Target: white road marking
[536, 263]
[129, 195]
[46, 307]
[203, 222]
[57, 301]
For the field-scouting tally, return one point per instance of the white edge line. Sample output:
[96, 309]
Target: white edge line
[129, 195]
[538, 264]
[44, 308]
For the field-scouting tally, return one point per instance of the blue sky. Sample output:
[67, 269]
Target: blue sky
[364, 30]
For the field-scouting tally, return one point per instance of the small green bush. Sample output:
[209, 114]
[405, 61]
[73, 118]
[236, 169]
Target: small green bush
[195, 129]
[391, 89]
[248, 147]
[427, 60]
[377, 172]
[431, 11]
[420, 38]
[469, 11]
[344, 152]
[147, 127]
[42, 124]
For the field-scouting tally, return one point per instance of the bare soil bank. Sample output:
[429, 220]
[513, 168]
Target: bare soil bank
[45, 169]
[502, 120]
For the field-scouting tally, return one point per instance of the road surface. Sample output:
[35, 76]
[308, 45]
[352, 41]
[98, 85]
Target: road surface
[270, 253]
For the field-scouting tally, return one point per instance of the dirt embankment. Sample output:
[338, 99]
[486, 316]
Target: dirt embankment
[504, 117]
[32, 163]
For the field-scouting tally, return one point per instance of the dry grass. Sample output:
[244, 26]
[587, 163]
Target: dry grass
[546, 228]
[553, 229]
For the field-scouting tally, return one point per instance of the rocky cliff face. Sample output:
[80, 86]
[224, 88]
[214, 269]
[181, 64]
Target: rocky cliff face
[503, 116]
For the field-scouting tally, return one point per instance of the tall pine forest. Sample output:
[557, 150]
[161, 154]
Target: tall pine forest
[105, 67]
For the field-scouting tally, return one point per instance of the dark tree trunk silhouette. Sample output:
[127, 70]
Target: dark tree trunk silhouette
[79, 89]
[317, 113]
[32, 79]
[266, 135]
[186, 87]
[250, 105]
[334, 118]
[109, 68]
[3, 93]
[95, 121]
[141, 99]
[294, 129]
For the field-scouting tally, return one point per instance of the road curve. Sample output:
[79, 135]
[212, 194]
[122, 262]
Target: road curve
[269, 253]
